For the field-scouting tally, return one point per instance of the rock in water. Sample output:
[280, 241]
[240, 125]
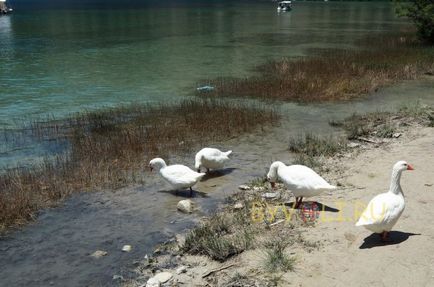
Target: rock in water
[126, 248]
[163, 277]
[244, 187]
[185, 206]
[99, 254]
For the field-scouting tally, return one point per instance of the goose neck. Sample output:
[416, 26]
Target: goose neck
[395, 183]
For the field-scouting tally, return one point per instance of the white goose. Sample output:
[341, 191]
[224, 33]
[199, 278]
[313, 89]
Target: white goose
[384, 210]
[301, 180]
[211, 158]
[179, 176]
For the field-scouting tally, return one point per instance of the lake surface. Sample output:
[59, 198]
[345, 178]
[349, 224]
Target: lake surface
[58, 61]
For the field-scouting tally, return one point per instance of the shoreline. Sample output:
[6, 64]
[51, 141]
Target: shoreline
[360, 173]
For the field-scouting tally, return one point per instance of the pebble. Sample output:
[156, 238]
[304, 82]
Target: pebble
[152, 282]
[244, 187]
[185, 206]
[127, 248]
[270, 195]
[239, 205]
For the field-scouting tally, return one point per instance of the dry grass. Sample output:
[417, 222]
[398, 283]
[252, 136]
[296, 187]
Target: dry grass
[332, 75]
[109, 149]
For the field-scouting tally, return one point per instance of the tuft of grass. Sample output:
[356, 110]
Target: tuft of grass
[276, 258]
[109, 148]
[311, 146]
[219, 238]
[332, 75]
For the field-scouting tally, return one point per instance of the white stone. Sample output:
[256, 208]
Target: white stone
[152, 282]
[239, 205]
[163, 277]
[353, 145]
[99, 254]
[185, 206]
[127, 248]
[396, 135]
[244, 187]
[270, 195]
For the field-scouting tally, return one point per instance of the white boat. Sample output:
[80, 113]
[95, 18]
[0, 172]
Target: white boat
[284, 6]
[4, 9]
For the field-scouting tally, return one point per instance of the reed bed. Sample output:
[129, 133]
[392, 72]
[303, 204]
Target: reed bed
[110, 148]
[331, 75]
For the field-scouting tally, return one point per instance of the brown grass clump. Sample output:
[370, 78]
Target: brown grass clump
[108, 149]
[332, 75]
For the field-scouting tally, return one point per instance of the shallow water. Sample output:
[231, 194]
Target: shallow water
[56, 64]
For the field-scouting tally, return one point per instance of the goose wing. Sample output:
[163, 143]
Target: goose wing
[302, 177]
[381, 210]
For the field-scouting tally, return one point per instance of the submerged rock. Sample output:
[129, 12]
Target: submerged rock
[185, 206]
[99, 254]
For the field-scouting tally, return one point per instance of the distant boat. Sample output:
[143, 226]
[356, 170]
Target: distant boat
[284, 6]
[4, 9]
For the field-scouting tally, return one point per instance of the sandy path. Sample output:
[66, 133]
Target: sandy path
[352, 256]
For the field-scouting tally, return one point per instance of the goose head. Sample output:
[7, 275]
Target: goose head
[198, 162]
[157, 163]
[272, 173]
[401, 165]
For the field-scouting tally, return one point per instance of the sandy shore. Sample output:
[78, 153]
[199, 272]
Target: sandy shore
[343, 255]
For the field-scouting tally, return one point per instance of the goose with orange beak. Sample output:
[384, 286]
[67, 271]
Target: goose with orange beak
[384, 210]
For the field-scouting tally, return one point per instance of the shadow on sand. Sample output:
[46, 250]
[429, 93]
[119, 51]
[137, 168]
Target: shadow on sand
[396, 237]
[309, 205]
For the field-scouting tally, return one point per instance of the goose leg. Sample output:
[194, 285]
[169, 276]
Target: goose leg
[207, 170]
[385, 236]
[297, 202]
[191, 192]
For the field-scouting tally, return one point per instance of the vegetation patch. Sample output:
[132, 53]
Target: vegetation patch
[332, 75]
[276, 257]
[109, 148]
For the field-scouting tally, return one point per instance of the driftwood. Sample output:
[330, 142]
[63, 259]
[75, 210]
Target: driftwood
[217, 270]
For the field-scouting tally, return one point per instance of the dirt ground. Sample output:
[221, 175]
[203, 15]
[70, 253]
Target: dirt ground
[346, 255]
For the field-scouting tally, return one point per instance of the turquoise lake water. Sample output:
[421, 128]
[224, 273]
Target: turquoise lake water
[58, 61]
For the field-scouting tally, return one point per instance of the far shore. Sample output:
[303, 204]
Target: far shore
[291, 247]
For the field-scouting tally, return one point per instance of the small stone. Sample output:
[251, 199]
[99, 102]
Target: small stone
[353, 145]
[396, 135]
[181, 269]
[127, 248]
[99, 254]
[185, 206]
[244, 187]
[118, 277]
[163, 277]
[239, 205]
[152, 282]
[270, 195]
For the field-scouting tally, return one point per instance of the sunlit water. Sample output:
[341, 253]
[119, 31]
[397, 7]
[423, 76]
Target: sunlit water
[61, 61]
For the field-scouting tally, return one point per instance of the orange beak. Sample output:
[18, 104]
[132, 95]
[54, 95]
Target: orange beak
[273, 184]
[410, 167]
